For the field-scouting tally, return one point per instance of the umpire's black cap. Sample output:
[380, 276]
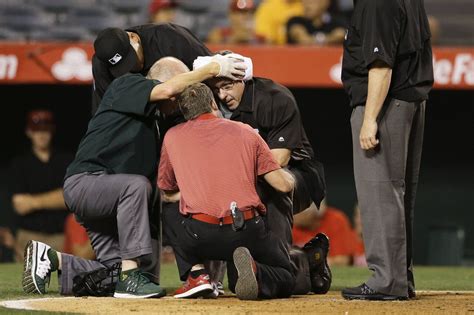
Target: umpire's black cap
[112, 46]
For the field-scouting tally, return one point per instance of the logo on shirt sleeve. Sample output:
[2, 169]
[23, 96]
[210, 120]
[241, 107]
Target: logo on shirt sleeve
[376, 49]
[281, 139]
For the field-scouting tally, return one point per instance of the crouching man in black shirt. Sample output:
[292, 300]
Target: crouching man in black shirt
[108, 185]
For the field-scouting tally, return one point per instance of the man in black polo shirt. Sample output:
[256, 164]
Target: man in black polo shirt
[387, 72]
[36, 185]
[108, 185]
[136, 49]
[271, 110]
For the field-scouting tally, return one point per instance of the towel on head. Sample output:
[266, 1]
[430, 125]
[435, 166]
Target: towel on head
[204, 60]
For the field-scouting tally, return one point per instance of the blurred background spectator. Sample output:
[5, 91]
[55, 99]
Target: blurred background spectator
[36, 186]
[271, 18]
[162, 11]
[202, 16]
[316, 26]
[330, 221]
[73, 20]
[435, 29]
[7, 240]
[241, 28]
[76, 241]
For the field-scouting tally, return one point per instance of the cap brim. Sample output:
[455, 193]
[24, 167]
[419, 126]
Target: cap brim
[41, 127]
[126, 65]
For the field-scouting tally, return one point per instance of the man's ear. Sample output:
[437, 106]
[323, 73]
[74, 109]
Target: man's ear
[214, 105]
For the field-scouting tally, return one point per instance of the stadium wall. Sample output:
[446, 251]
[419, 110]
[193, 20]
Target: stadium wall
[445, 198]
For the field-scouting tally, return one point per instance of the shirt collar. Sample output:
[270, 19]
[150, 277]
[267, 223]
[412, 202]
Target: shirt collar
[246, 103]
[205, 116]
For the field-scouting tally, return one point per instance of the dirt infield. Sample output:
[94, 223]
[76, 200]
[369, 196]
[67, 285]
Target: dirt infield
[427, 302]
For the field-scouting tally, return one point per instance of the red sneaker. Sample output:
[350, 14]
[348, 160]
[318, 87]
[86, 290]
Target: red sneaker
[195, 287]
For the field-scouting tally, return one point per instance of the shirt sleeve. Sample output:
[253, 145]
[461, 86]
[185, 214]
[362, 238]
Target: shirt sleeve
[285, 125]
[166, 177]
[130, 94]
[380, 31]
[265, 160]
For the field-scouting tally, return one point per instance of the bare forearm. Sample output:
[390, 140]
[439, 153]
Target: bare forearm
[51, 200]
[178, 83]
[170, 196]
[379, 83]
[336, 36]
[282, 156]
[281, 180]
[300, 35]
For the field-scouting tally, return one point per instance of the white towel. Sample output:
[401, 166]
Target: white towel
[204, 60]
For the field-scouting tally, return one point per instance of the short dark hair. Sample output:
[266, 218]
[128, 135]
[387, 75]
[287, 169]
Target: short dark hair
[195, 100]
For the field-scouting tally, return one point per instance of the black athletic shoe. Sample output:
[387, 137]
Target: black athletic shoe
[317, 250]
[363, 292]
[411, 294]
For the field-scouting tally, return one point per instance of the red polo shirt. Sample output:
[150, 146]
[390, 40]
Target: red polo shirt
[214, 161]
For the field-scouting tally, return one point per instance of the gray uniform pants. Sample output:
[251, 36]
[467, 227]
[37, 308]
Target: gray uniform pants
[386, 180]
[114, 211]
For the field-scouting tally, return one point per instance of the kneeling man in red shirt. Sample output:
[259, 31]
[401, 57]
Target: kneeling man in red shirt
[214, 163]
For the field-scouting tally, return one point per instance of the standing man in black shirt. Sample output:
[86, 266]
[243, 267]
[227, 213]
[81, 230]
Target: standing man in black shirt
[136, 49]
[387, 72]
[108, 185]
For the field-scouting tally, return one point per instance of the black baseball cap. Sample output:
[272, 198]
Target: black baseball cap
[112, 46]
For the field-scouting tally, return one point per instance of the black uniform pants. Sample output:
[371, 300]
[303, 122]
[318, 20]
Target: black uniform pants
[279, 220]
[199, 241]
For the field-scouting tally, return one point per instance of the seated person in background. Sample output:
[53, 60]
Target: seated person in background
[7, 243]
[358, 257]
[241, 29]
[162, 11]
[316, 26]
[7, 239]
[271, 18]
[76, 241]
[36, 186]
[330, 221]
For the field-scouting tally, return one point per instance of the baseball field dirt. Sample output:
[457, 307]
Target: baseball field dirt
[441, 290]
[427, 302]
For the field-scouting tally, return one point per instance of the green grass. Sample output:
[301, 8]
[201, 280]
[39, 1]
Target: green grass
[427, 278]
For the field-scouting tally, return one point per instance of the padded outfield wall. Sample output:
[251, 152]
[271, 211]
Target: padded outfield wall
[445, 201]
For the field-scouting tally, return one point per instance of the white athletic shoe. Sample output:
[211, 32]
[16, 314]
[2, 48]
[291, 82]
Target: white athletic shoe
[36, 268]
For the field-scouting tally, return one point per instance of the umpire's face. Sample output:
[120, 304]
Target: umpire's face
[229, 92]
